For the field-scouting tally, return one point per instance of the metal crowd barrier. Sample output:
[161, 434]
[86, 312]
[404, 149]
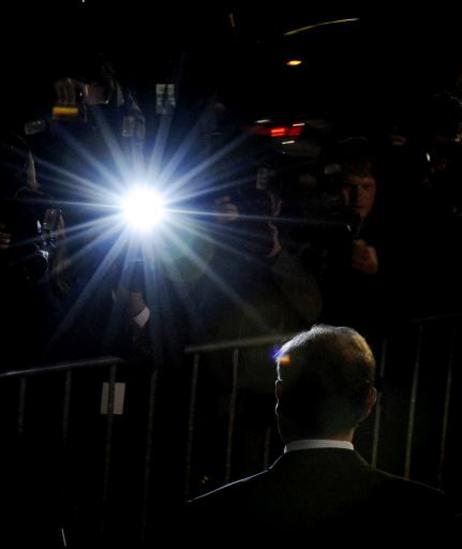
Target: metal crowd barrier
[424, 368]
[413, 395]
[108, 403]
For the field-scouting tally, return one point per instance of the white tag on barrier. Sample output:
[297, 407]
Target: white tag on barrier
[119, 397]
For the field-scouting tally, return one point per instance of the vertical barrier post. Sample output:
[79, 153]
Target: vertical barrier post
[378, 407]
[148, 455]
[412, 406]
[21, 404]
[232, 415]
[447, 403]
[66, 405]
[108, 443]
[191, 418]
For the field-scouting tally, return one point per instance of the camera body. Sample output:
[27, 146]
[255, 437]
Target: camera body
[32, 225]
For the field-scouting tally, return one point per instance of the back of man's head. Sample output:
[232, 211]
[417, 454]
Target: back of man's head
[325, 383]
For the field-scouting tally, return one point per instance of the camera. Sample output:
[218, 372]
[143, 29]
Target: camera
[32, 224]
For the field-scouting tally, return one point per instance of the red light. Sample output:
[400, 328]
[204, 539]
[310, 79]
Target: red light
[277, 131]
[295, 131]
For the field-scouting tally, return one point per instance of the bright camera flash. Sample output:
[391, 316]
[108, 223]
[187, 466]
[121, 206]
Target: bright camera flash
[143, 208]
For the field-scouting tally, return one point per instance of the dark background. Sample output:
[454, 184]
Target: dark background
[393, 60]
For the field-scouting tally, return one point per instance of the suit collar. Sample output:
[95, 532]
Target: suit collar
[312, 456]
[316, 444]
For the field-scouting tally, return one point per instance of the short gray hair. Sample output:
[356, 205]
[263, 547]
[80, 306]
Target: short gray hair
[326, 374]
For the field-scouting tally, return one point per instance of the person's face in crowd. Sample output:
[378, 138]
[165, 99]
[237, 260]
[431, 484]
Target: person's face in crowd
[359, 194]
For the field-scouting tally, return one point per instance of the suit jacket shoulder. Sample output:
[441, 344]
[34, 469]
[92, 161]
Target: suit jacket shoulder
[311, 493]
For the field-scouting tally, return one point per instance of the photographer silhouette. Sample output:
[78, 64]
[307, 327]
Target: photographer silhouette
[31, 245]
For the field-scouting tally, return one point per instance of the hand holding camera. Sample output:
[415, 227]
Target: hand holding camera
[364, 257]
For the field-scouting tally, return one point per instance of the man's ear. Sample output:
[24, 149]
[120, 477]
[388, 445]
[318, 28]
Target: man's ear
[371, 399]
[278, 392]
[278, 389]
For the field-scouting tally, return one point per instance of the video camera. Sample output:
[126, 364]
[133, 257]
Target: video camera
[73, 97]
[26, 214]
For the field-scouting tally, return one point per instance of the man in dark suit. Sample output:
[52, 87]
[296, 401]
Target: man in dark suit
[320, 488]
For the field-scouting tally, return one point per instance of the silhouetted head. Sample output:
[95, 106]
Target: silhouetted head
[325, 384]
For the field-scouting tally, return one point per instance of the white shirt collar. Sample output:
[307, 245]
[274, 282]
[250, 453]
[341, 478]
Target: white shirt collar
[316, 443]
[142, 318]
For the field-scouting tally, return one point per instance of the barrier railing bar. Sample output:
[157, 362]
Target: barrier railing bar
[63, 366]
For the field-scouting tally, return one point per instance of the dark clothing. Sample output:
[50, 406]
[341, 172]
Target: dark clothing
[322, 494]
[266, 296]
[351, 297]
[29, 313]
